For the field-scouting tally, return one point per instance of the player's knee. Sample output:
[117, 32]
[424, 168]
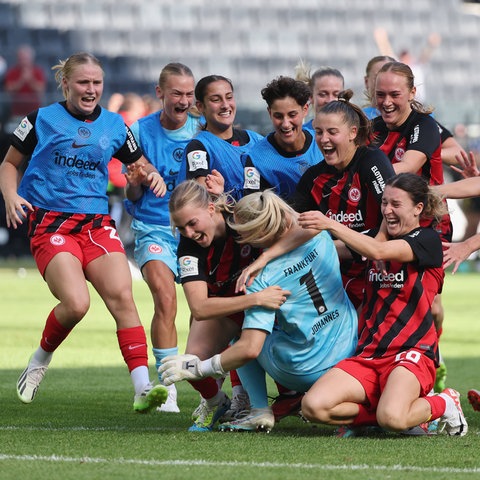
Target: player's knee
[76, 308]
[391, 419]
[313, 410]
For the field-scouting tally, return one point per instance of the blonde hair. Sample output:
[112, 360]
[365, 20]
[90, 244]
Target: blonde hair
[65, 67]
[303, 73]
[177, 69]
[192, 193]
[261, 218]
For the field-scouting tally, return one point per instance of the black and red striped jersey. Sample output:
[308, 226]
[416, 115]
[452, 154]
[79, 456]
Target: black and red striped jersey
[219, 265]
[396, 315]
[420, 132]
[352, 196]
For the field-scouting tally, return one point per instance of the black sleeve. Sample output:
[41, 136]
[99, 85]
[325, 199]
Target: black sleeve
[130, 151]
[376, 170]
[444, 132]
[427, 247]
[197, 164]
[27, 144]
[424, 136]
[195, 269]
[302, 200]
[260, 182]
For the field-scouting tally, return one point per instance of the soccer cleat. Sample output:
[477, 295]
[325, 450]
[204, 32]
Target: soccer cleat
[240, 407]
[346, 431]
[29, 381]
[200, 409]
[440, 378]
[452, 421]
[170, 404]
[286, 405]
[152, 396]
[427, 428]
[474, 399]
[258, 420]
[209, 415]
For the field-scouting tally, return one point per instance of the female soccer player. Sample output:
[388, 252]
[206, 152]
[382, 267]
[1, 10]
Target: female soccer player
[410, 137]
[219, 146]
[210, 261]
[279, 160]
[325, 84]
[315, 326]
[388, 379]
[349, 183]
[163, 136]
[72, 237]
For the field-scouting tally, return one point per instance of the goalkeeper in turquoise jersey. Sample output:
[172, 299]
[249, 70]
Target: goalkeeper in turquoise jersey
[314, 328]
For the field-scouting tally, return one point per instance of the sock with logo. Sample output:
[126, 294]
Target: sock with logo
[133, 345]
[53, 334]
[160, 353]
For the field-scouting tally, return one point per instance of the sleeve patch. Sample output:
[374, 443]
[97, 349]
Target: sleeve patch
[188, 266]
[251, 178]
[23, 129]
[197, 160]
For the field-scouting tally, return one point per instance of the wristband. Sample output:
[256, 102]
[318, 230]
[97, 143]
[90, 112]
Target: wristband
[212, 367]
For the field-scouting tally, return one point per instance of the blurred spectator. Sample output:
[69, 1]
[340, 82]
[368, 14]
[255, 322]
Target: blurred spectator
[25, 83]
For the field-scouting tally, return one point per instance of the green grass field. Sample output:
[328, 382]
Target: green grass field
[81, 425]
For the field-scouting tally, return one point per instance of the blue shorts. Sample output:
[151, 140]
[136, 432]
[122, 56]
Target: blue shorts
[155, 242]
[294, 379]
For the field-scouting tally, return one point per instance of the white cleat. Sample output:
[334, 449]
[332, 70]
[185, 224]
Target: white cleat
[258, 420]
[452, 421]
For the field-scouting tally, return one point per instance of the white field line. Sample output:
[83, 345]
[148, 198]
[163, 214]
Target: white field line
[203, 463]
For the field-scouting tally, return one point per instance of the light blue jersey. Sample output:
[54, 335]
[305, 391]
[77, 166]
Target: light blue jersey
[164, 149]
[316, 327]
[154, 239]
[282, 173]
[223, 156]
[69, 165]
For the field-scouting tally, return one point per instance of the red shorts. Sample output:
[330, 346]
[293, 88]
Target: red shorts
[373, 373]
[86, 245]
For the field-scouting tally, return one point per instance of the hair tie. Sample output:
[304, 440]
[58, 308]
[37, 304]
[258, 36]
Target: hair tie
[341, 99]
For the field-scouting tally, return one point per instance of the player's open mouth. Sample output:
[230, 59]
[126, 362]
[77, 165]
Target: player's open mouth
[328, 150]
